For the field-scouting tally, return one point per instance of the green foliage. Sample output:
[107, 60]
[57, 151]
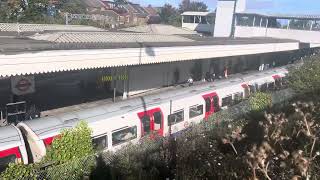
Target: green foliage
[306, 79]
[74, 143]
[72, 6]
[71, 156]
[260, 101]
[167, 13]
[74, 169]
[171, 15]
[187, 5]
[19, 171]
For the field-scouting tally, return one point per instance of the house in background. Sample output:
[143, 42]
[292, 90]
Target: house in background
[138, 16]
[153, 16]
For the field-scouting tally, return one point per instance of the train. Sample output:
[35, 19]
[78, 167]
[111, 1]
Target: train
[114, 125]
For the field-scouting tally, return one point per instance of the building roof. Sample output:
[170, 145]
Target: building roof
[283, 16]
[194, 13]
[151, 11]
[14, 27]
[28, 56]
[158, 29]
[93, 3]
[136, 9]
[107, 37]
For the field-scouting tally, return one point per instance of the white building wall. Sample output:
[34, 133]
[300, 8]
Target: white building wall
[224, 18]
[198, 27]
[312, 37]
[241, 5]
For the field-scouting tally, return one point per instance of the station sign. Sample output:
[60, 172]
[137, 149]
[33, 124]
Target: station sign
[21, 85]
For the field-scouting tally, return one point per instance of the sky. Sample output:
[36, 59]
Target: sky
[275, 6]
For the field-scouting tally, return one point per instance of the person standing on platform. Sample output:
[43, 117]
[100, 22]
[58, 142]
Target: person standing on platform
[225, 72]
[190, 81]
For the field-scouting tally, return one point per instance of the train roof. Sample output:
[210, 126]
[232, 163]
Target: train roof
[9, 137]
[69, 119]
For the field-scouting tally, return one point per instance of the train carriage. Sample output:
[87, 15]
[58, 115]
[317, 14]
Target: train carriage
[115, 125]
[12, 147]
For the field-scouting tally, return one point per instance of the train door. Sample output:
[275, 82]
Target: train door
[211, 104]
[151, 122]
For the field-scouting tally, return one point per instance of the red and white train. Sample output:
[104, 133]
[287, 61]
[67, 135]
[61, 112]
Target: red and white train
[115, 125]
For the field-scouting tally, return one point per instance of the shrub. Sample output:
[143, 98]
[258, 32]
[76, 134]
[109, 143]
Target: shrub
[306, 79]
[19, 171]
[70, 155]
[260, 101]
[74, 144]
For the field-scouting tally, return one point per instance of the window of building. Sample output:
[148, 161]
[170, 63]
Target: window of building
[4, 161]
[197, 19]
[204, 20]
[195, 111]
[238, 97]
[100, 143]
[210, 19]
[176, 117]
[227, 101]
[188, 19]
[124, 135]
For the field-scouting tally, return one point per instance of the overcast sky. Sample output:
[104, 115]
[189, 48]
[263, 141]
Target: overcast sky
[277, 6]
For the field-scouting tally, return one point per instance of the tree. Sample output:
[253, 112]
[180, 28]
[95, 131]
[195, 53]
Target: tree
[72, 6]
[167, 12]
[184, 6]
[198, 6]
[306, 79]
[187, 5]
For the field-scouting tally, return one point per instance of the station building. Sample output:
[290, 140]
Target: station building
[43, 67]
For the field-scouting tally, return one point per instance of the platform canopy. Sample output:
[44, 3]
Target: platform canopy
[283, 16]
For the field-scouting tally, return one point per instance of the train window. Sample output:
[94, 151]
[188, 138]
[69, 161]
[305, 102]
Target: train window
[278, 83]
[216, 103]
[100, 143]
[195, 111]
[238, 97]
[246, 92]
[227, 101]
[157, 120]
[252, 89]
[208, 104]
[271, 86]
[176, 117]
[146, 123]
[4, 161]
[264, 87]
[124, 135]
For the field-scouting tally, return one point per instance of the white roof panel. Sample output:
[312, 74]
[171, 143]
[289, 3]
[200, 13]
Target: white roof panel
[196, 13]
[9, 137]
[66, 60]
